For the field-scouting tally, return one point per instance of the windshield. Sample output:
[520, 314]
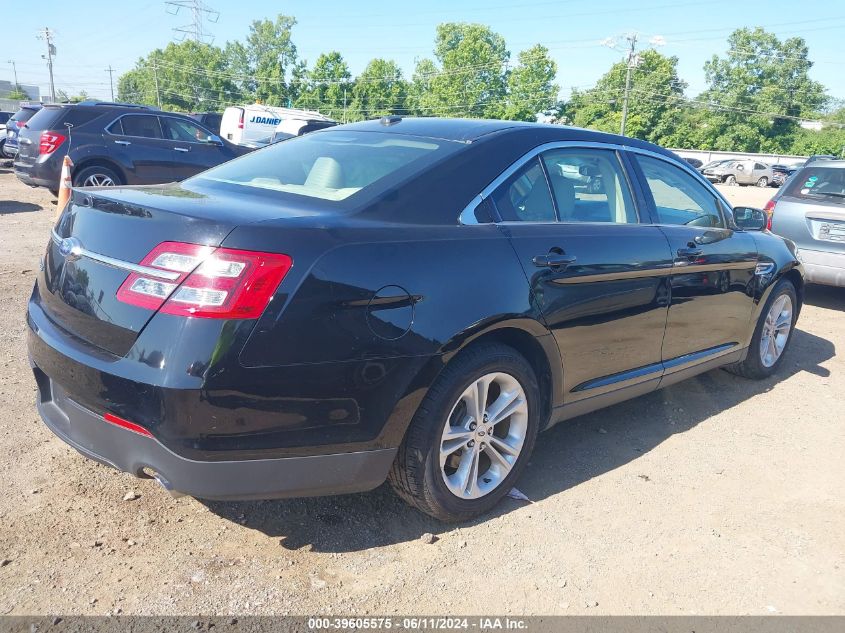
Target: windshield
[819, 183]
[332, 165]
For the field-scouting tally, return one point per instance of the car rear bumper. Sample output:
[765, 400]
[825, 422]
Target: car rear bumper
[143, 456]
[37, 173]
[822, 267]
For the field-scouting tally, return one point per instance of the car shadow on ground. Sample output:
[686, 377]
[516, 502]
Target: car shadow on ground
[827, 297]
[13, 206]
[569, 454]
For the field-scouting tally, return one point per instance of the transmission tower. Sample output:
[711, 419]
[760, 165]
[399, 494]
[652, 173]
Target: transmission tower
[200, 13]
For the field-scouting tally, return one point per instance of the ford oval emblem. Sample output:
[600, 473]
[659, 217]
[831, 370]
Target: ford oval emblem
[69, 247]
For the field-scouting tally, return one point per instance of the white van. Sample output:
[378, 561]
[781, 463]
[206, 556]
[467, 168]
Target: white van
[250, 124]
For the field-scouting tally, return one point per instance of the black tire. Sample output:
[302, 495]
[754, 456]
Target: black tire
[730, 180]
[82, 175]
[763, 182]
[416, 474]
[752, 366]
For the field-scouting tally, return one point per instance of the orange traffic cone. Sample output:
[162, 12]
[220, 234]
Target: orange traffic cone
[65, 184]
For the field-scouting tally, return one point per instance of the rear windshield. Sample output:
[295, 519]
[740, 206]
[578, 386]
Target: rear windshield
[818, 183]
[332, 165]
[24, 115]
[48, 118]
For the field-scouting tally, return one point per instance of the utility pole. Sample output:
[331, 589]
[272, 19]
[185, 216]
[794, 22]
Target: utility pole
[155, 76]
[15, 73]
[110, 70]
[47, 36]
[632, 62]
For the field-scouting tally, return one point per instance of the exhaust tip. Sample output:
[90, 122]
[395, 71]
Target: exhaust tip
[174, 494]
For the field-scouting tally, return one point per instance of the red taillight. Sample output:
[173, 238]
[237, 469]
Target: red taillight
[20, 124]
[214, 283]
[770, 211]
[50, 142]
[241, 121]
[126, 424]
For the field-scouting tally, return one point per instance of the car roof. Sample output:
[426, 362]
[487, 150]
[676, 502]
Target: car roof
[822, 164]
[471, 130]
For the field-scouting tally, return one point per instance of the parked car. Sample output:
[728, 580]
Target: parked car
[740, 172]
[290, 128]
[781, 173]
[116, 144]
[209, 120]
[404, 299]
[250, 123]
[816, 157]
[810, 211]
[714, 163]
[14, 125]
[695, 163]
[4, 118]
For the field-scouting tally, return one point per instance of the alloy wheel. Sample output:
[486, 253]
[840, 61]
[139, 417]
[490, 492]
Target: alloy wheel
[483, 435]
[98, 180]
[776, 329]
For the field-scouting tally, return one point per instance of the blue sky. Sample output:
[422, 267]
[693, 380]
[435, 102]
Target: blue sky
[91, 34]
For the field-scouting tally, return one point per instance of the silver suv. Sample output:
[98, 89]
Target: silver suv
[810, 210]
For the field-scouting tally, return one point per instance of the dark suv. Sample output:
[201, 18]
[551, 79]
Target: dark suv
[14, 125]
[113, 144]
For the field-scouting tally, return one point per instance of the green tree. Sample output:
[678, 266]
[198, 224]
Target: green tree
[531, 88]
[758, 91]
[265, 60]
[655, 104]
[421, 100]
[17, 94]
[379, 90]
[191, 76]
[327, 86]
[471, 80]
[829, 140]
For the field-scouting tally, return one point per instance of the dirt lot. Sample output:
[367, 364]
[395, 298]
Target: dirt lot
[715, 496]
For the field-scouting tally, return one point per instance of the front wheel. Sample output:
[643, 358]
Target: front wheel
[771, 335]
[730, 180]
[471, 436]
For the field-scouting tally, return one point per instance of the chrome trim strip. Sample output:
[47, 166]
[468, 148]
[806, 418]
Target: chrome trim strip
[119, 263]
[519, 162]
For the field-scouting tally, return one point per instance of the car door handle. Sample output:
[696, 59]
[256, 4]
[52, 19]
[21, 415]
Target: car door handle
[554, 260]
[182, 149]
[689, 252]
[123, 143]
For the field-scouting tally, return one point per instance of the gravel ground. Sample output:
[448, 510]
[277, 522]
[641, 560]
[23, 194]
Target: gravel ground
[715, 496]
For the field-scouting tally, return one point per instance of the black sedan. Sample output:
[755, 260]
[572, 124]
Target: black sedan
[411, 300]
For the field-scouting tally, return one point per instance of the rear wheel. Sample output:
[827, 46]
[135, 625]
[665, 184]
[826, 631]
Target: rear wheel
[96, 176]
[730, 180]
[763, 182]
[471, 436]
[771, 335]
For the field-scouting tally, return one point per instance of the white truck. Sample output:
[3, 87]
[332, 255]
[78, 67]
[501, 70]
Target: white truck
[255, 124]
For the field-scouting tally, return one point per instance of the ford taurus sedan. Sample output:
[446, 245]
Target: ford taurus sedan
[403, 299]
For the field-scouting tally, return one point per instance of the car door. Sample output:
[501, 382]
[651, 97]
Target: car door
[136, 142]
[598, 277]
[196, 148]
[713, 265]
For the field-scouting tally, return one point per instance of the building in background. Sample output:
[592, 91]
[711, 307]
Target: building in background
[32, 92]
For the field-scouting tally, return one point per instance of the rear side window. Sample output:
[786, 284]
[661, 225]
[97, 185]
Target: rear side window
[589, 186]
[143, 125]
[678, 197]
[332, 165]
[525, 196]
[818, 183]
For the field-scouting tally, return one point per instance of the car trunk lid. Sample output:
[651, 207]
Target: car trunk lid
[103, 232]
